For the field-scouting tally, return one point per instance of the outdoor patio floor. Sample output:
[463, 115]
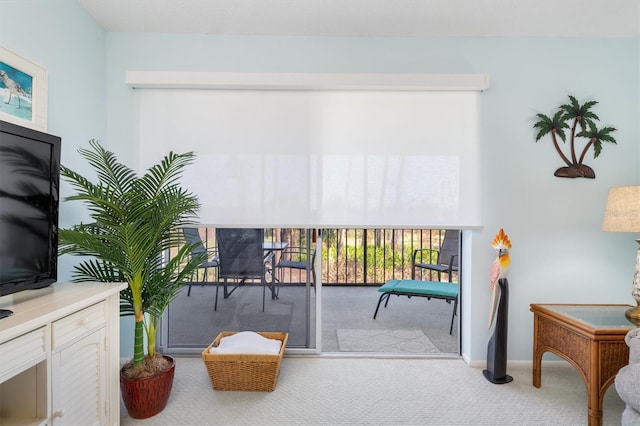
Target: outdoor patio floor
[347, 311]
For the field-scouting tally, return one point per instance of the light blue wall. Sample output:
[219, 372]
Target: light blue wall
[63, 39]
[559, 253]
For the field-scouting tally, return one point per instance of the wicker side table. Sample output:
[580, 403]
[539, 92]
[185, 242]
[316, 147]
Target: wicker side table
[589, 337]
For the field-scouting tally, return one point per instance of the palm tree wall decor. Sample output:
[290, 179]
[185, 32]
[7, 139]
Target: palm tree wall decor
[577, 115]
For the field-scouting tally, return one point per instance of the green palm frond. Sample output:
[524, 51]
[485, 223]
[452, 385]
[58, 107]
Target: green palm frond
[590, 116]
[596, 137]
[573, 106]
[559, 125]
[581, 113]
[544, 124]
[548, 125]
[133, 223]
[110, 172]
[602, 136]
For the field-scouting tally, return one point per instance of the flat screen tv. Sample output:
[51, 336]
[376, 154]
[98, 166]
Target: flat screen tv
[29, 200]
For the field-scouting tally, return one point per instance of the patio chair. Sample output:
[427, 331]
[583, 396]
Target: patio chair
[446, 291]
[192, 236]
[295, 258]
[448, 257]
[242, 259]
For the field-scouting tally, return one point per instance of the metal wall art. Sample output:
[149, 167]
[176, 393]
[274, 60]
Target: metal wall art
[581, 122]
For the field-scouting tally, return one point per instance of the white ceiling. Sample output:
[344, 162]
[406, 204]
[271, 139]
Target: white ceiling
[509, 18]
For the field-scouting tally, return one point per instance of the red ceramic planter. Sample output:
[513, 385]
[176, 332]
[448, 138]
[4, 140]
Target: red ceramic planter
[147, 396]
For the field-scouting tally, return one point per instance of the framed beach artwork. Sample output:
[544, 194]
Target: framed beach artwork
[23, 91]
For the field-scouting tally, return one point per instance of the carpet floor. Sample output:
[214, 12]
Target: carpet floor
[378, 391]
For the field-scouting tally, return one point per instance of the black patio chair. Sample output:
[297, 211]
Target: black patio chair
[448, 257]
[192, 236]
[295, 258]
[242, 258]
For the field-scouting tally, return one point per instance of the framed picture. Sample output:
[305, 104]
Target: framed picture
[23, 91]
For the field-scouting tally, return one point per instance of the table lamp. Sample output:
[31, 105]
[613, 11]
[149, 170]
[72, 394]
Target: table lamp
[623, 215]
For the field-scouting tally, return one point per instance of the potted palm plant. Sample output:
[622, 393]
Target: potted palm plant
[133, 223]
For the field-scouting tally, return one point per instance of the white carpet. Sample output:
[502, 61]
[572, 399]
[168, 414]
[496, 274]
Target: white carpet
[376, 391]
[392, 341]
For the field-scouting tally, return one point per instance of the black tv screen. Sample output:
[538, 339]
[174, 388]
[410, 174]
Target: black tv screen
[29, 201]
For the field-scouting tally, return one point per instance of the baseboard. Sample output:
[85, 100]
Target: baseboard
[523, 363]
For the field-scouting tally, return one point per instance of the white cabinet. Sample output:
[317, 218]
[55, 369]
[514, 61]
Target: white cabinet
[59, 356]
[78, 382]
[78, 368]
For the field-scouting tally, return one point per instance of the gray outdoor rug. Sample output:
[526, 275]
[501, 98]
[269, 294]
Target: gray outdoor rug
[367, 340]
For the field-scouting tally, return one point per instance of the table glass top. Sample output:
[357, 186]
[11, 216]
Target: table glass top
[596, 316]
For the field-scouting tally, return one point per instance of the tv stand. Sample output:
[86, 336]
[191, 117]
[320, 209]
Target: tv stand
[60, 353]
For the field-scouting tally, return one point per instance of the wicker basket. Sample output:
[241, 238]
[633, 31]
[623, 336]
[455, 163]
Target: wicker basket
[244, 372]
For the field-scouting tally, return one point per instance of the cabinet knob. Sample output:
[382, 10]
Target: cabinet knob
[84, 321]
[59, 413]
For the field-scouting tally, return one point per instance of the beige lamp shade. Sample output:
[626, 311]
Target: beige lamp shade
[622, 213]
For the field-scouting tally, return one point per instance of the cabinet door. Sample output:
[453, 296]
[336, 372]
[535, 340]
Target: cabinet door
[79, 382]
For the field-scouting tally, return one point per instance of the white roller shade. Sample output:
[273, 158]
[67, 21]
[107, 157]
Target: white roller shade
[406, 159]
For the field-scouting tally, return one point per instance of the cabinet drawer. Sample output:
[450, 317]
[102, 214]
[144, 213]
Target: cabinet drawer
[25, 350]
[78, 324]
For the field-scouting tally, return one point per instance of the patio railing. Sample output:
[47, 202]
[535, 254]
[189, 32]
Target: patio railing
[356, 256]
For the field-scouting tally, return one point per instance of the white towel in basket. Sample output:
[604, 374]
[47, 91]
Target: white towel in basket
[247, 342]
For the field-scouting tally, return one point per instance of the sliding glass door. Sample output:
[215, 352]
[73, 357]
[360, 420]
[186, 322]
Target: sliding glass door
[321, 287]
[280, 297]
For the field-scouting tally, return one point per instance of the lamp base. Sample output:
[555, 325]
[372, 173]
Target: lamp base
[633, 314]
